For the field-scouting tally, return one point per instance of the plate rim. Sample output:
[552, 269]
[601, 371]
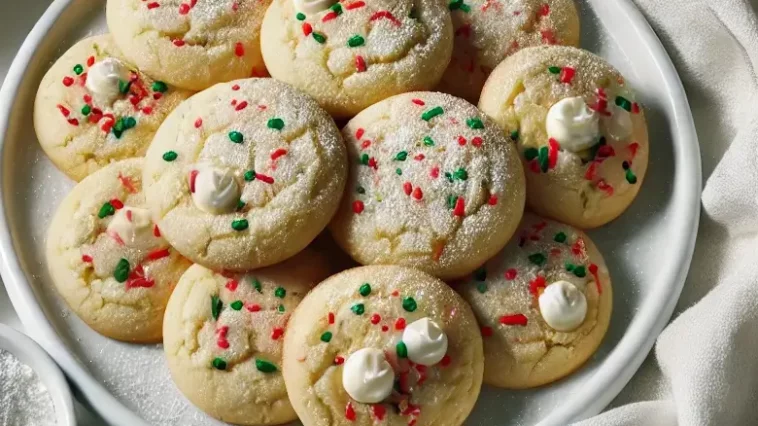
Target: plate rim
[625, 358]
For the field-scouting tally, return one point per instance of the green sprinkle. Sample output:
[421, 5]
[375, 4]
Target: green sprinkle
[428, 141]
[160, 86]
[480, 274]
[239, 225]
[365, 289]
[318, 37]
[170, 156]
[78, 69]
[401, 349]
[264, 366]
[280, 292]
[398, 171]
[475, 123]
[363, 159]
[451, 199]
[326, 337]
[570, 266]
[455, 4]
[300, 16]
[257, 285]
[276, 123]
[580, 271]
[118, 128]
[355, 40]
[409, 304]
[86, 110]
[449, 176]
[123, 86]
[401, 156]
[428, 115]
[280, 308]
[531, 153]
[216, 305]
[543, 159]
[554, 70]
[460, 174]
[219, 364]
[240, 204]
[481, 287]
[537, 258]
[121, 273]
[249, 175]
[560, 237]
[514, 135]
[106, 210]
[358, 309]
[236, 305]
[624, 103]
[336, 8]
[359, 189]
[236, 137]
[466, 8]
[630, 177]
[129, 122]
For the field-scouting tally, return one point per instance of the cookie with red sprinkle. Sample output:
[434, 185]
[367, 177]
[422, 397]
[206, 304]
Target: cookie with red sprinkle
[94, 107]
[543, 304]
[189, 43]
[245, 174]
[223, 337]
[579, 130]
[382, 345]
[107, 258]
[487, 31]
[349, 55]
[433, 184]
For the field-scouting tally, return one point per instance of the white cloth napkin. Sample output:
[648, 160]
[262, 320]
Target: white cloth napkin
[704, 370]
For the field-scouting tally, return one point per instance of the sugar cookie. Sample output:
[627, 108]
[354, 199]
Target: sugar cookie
[107, 258]
[433, 184]
[486, 31]
[93, 107]
[543, 303]
[223, 337]
[245, 174]
[579, 131]
[189, 43]
[382, 344]
[349, 55]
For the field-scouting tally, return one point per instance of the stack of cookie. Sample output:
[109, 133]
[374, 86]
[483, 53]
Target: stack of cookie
[196, 218]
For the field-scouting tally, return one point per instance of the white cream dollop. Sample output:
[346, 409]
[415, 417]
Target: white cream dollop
[313, 6]
[619, 124]
[103, 80]
[425, 341]
[573, 124]
[216, 190]
[563, 306]
[367, 376]
[134, 226]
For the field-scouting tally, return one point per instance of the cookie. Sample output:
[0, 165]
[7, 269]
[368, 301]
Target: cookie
[433, 184]
[224, 333]
[382, 344]
[188, 43]
[245, 174]
[543, 303]
[94, 107]
[108, 259]
[487, 31]
[579, 130]
[350, 55]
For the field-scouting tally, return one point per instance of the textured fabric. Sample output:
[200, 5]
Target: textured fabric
[704, 369]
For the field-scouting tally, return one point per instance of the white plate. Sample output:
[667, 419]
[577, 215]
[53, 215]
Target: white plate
[648, 249]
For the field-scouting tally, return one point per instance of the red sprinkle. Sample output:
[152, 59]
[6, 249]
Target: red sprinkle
[418, 102]
[277, 332]
[358, 206]
[354, 5]
[372, 163]
[407, 188]
[536, 284]
[64, 110]
[548, 36]
[417, 193]
[198, 123]
[158, 254]
[593, 271]
[435, 172]
[445, 361]
[477, 141]
[137, 279]
[117, 204]
[231, 285]
[87, 99]
[184, 9]
[365, 144]
[239, 49]
[339, 360]
[635, 108]
[379, 410]
[375, 319]
[517, 319]
[267, 179]
[253, 308]
[221, 341]
[236, 87]
[278, 153]
[360, 63]
[86, 258]
[591, 170]
[400, 324]
[486, 331]
[156, 231]
[240, 106]
[179, 42]
[307, 29]
[153, 5]
[385, 328]
[349, 412]
[461, 140]
[552, 158]
[385, 14]
[329, 16]
[511, 274]
[147, 110]
[395, 293]
[90, 61]
[606, 151]
[633, 147]
[567, 74]
[493, 200]
[330, 318]
[545, 9]
[157, 95]
[73, 121]
[359, 133]
[460, 207]
[604, 186]
[193, 177]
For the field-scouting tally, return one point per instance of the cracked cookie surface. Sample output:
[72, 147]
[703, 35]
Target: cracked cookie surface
[188, 43]
[279, 149]
[107, 258]
[433, 184]
[585, 188]
[355, 53]
[223, 337]
[80, 132]
[486, 31]
[520, 349]
[369, 307]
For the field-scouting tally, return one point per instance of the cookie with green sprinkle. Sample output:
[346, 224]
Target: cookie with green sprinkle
[224, 334]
